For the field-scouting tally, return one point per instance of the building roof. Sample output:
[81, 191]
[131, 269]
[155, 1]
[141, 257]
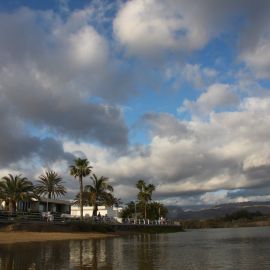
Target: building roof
[56, 201]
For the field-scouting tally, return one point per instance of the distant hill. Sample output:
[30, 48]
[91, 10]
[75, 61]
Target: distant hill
[217, 211]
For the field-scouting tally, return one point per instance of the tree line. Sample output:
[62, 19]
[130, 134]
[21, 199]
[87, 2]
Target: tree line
[144, 207]
[14, 189]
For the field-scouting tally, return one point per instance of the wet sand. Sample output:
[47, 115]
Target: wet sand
[20, 237]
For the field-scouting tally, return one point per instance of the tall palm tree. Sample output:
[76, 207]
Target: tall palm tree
[87, 198]
[50, 184]
[2, 196]
[14, 189]
[100, 192]
[80, 169]
[145, 194]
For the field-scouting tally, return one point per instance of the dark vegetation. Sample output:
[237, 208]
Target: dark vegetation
[49, 227]
[242, 215]
[88, 227]
[15, 189]
[240, 218]
[154, 210]
[144, 207]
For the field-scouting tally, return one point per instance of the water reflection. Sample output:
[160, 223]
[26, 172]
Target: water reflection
[33, 256]
[89, 255]
[243, 249]
[80, 254]
[149, 253]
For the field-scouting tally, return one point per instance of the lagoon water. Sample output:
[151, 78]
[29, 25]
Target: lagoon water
[239, 248]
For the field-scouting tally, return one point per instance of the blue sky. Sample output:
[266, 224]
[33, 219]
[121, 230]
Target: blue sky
[174, 92]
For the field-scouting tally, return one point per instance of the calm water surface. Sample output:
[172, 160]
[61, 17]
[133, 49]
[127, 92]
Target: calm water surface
[241, 248]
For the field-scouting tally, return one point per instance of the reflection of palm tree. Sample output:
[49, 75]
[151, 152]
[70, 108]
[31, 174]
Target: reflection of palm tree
[148, 255]
[81, 254]
[99, 191]
[145, 193]
[39, 255]
[78, 254]
[51, 185]
[80, 169]
[14, 189]
[95, 254]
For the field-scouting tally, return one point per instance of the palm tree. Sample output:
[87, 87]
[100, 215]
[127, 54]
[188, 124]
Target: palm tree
[50, 185]
[106, 199]
[100, 192]
[80, 169]
[87, 198]
[2, 197]
[145, 193]
[14, 189]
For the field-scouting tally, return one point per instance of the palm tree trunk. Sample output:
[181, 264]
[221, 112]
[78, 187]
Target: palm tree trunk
[81, 197]
[95, 210]
[47, 203]
[95, 254]
[145, 211]
[10, 206]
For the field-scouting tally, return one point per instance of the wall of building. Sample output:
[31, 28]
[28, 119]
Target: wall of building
[111, 212]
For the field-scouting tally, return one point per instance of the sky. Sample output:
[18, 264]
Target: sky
[174, 92]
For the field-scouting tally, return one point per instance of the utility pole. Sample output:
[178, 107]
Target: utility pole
[135, 217]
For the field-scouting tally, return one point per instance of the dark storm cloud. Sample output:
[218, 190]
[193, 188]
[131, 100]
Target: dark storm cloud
[16, 144]
[45, 80]
[70, 53]
[259, 176]
[50, 150]
[68, 115]
[49, 71]
[249, 192]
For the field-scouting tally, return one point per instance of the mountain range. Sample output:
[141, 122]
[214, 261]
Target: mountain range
[217, 211]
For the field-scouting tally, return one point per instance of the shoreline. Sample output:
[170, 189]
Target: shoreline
[26, 237]
[39, 232]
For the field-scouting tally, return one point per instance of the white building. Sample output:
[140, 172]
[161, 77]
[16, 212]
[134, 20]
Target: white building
[41, 205]
[111, 212]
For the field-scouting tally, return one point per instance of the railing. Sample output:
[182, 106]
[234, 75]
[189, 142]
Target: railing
[6, 216]
[19, 216]
[94, 219]
[29, 217]
[138, 221]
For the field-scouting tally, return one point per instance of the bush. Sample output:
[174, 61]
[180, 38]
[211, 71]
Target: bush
[242, 214]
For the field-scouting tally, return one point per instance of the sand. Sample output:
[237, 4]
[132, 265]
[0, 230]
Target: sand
[20, 237]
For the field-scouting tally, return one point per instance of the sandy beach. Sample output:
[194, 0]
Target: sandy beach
[20, 237]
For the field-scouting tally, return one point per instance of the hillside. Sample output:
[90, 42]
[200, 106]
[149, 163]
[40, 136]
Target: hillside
[218, 211]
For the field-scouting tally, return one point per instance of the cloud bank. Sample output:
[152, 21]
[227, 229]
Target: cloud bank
[191, 77]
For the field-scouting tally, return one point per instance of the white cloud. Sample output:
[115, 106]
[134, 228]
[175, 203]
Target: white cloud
[214, 197]
[199, 77]
[88, 48]
[225, 153]
[51, 66]
[218, 96]
[258, 58]
[256, 160]
[151, 26]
